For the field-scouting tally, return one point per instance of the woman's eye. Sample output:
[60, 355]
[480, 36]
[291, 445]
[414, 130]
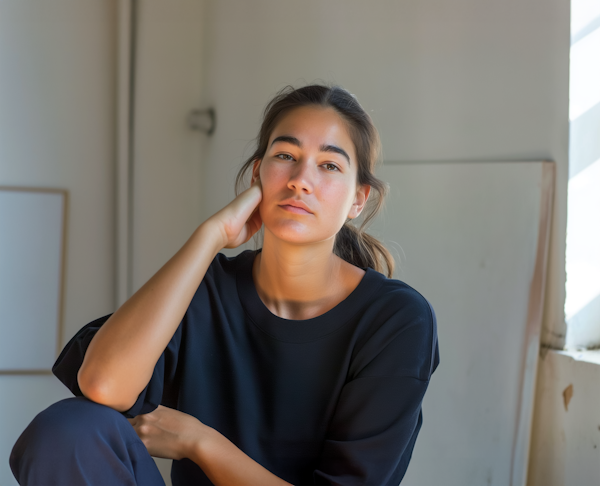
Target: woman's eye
[285, 156]
[332, 165]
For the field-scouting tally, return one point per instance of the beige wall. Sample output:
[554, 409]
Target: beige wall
[57, 110]
[57, 76]
[443, 80]
[565, 447]
[458, 80]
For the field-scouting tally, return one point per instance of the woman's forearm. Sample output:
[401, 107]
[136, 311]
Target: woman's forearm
[121, 357]
[173, 434]
[226, 465]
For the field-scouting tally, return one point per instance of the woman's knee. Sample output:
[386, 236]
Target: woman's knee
[69, 424]
[72, 418]
[77, 441]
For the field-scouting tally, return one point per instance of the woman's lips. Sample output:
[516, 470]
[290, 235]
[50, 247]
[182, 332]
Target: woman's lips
[294, 209]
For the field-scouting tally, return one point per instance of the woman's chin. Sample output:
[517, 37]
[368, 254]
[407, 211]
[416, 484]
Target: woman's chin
[295, 233]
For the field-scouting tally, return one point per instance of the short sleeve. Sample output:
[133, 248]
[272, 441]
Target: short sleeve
[378, 416]
[160, 388]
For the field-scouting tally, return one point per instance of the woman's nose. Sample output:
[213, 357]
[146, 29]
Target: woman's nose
[302, 176]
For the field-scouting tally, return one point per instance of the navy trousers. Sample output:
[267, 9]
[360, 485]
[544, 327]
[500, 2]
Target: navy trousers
[79, 442]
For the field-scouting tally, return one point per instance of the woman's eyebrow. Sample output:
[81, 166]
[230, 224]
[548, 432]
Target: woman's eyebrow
[288, 139]
[335, 149]
[322, 148]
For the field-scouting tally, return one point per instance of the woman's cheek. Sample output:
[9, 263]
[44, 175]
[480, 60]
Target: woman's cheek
[336, 195]
[274, 177]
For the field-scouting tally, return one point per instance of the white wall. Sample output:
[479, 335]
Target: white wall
[167, 188]
[57, 129]
[443, 81]
[565, 449]
[57, 111]
[460, 80]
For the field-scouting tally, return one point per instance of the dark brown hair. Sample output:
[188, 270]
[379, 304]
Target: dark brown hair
[352, 243]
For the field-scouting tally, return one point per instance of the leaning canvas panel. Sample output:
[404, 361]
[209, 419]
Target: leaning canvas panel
[32, 229]
[473, 238]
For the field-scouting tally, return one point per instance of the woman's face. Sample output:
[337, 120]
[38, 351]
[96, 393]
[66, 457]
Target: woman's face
[311, 161]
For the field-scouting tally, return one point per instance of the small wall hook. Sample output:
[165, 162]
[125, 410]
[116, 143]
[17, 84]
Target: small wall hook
[202, 120]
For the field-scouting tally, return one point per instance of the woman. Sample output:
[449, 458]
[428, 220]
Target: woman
[299, 363]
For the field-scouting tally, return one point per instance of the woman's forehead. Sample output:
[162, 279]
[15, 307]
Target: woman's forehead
[314, 125]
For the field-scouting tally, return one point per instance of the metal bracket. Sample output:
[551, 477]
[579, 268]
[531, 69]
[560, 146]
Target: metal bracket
[202, 120]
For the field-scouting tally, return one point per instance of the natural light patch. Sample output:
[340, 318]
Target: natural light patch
[585, 74]
[583, 12]
[583, 239]
[582, 305]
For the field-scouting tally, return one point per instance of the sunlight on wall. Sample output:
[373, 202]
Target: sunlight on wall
[582, 306]
[582, 11]
[583, 240]
[585, 74]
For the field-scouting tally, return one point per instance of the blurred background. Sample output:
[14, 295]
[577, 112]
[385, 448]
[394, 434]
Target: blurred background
[489, 114]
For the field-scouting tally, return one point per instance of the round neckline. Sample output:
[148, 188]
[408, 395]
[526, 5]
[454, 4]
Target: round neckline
[301, 330]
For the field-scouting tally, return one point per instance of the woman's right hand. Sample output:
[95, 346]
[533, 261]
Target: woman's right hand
[240, 219]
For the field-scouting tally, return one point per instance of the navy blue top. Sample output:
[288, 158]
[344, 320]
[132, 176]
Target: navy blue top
[335, 399]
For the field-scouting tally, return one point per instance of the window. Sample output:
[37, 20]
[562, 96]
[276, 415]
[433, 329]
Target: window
[582, 307]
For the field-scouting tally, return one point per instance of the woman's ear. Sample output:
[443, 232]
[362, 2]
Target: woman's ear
[362, 196]
[255, 171]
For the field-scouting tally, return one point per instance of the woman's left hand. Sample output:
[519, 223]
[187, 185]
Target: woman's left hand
[169, 433]
[172, 434]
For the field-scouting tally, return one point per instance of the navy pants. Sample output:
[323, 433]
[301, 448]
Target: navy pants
[79, 442]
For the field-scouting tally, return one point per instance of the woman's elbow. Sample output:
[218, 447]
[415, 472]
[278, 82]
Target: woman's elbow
[102, 391]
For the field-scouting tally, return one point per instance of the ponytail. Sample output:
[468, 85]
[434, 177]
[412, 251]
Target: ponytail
[363, 250]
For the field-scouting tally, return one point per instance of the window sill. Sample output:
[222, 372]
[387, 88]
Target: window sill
[587, 355]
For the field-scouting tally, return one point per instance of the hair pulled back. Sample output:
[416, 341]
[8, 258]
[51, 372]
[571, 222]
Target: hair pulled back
[352, 243]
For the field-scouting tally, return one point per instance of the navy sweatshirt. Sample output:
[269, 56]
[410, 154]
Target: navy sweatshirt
[335, 399]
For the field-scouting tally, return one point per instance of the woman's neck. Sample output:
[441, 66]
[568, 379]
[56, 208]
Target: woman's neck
[301, 282]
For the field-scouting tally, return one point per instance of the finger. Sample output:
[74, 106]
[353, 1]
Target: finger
[255, 222]
[246, 202]
[245, 207]
[256, 184]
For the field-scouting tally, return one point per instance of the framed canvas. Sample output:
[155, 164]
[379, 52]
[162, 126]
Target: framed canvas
[473, 238]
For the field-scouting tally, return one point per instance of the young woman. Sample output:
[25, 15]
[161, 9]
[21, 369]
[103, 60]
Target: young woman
[298, 363]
